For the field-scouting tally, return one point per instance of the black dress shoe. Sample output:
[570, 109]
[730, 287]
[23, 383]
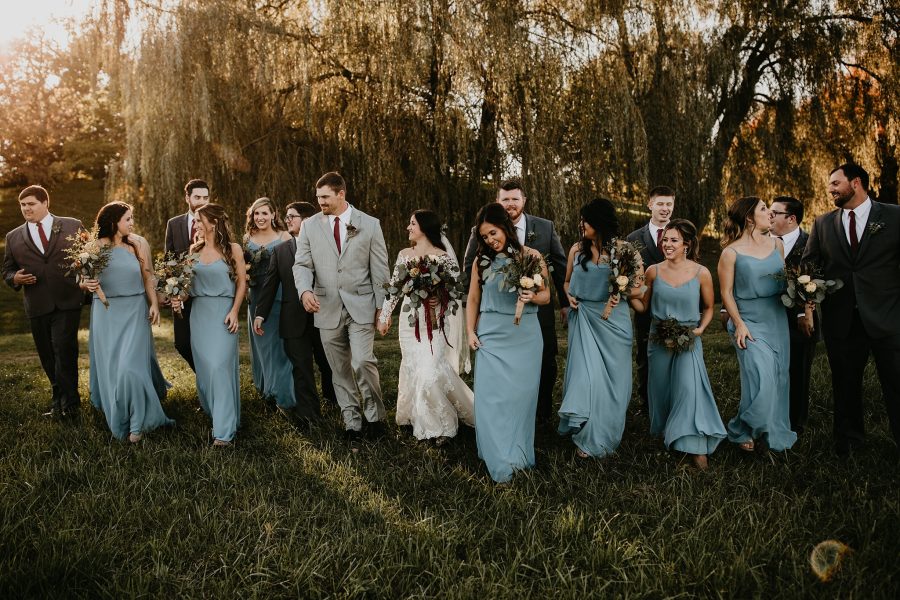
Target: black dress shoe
[375, 430]
[353, 438]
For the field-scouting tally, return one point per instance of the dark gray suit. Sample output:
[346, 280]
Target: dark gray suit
[803, 349]
[296, 328]
[53, 304]
[861, 317]
[651, 255]
[178, 240]
[540, 234]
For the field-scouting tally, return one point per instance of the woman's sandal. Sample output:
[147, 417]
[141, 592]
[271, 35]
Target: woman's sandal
[220, 443]
[747, 446]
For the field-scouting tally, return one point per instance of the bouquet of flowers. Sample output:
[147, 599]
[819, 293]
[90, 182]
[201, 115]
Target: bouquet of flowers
[521, 272]
[174, 275]
[257, 264]
[624, 271]
[674, 336]
[87, 258]
[807, 286]
[430, 280]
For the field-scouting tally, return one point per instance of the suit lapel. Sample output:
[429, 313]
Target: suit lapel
[29, 243]
[354, 221]
[841, 235]
[650, 243]
[329, 233]
[529, 229]
[797, 250]
[864, 243]
[53, 239]
[183, 232]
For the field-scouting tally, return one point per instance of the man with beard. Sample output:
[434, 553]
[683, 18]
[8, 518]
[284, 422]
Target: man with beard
[859, 243]
[539, 234]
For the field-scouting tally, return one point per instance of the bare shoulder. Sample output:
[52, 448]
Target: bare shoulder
[574, 249]
[236, 250]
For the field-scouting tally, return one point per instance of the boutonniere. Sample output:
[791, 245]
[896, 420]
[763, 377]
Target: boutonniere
[57, 227]
[529, 237]
[875, 227]
[351, 230]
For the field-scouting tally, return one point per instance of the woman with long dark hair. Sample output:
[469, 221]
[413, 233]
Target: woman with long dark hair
[126, 382]
[682, 406]
[271, 368]
[751, 294]
[431, 396]
[507, 355]
[597, 386]
[218, 288]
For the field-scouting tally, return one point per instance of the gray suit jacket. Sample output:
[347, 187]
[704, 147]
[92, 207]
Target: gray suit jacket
[540, 234]
[177, 238]
[54, 289]
[871, 276]
[351, 280]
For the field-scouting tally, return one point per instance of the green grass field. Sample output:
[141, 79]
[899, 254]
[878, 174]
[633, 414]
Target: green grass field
[285, 514]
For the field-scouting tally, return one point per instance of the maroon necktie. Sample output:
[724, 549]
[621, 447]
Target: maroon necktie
[337, 233]
[659, 240]
[43, 236]
[193, 231]
[854, 241]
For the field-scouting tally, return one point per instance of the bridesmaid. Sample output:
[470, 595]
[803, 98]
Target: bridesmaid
[218, 289]
[597, 385]
[751, 296]
[682, 407]
[508, 356]
[126, 382]
[272, 373]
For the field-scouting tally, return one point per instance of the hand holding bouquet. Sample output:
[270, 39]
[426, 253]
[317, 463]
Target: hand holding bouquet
[807, 286]
[174, 275]
[625, 272]
[87, 258]
[673, 336]
[523, 272]
[430, 280]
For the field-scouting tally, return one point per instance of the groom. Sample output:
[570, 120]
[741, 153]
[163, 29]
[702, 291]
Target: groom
[859, 243]
[340, 266]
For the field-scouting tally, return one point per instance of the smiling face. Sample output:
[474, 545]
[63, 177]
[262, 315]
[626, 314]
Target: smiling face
[673, 245]
[414, 231]
[125, 226]
[294, 221]
[513, 201]
[842, 190]
[33, 209]
[493, 236]
[331, 202]
[262, 218]
[661, 208]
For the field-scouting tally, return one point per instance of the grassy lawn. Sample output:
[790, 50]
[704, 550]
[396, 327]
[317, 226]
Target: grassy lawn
[288, 514]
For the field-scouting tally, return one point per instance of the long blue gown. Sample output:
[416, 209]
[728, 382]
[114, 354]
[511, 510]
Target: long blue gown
[507, 375]
[126, 381]
[682, 406]
[272, 370]
[763, 412]
[597, 385]
[215, 349]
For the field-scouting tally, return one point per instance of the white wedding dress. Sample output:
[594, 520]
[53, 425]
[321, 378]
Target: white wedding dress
[431, 396]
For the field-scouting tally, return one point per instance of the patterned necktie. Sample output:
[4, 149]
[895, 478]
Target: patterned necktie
[337, 233]
[854, 241]
[659, 240]
[44, 241]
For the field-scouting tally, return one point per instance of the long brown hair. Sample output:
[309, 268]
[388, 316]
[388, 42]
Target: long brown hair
[250, 227]
[496, 215]
[107, 224]
[215, 213]
[738, 213]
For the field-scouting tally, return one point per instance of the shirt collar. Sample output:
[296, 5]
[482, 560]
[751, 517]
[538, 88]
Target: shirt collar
[344, 216]
[521, 224]
[789, 238]
[861, 211]
[46, 223]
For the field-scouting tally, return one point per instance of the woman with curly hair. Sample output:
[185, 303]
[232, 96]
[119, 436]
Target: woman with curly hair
[126, 382]
[218, 288]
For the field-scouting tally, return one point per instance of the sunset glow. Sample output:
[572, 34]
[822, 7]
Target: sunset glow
[48, 16]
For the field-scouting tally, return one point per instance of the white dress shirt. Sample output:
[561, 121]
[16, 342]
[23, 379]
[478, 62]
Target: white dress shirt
[345, 220]
[861, 213]
[47, 225]
[653, 234]
[520, 229]
[789, 240]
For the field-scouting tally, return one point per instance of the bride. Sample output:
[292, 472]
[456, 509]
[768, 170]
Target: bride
[431, 396]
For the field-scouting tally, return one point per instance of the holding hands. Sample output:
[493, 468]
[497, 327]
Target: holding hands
[310, 302]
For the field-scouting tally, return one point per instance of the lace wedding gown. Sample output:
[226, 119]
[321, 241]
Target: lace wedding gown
[431, 396]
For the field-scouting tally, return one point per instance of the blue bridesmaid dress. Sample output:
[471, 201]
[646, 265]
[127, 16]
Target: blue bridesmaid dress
[126, 382]
[272, 371]
[597, 386]
[682, 406]
[763, 412]
[507, 375]
[215, 349]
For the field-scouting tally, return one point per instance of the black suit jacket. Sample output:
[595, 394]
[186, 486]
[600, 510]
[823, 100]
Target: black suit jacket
[540, 234]
[871, 277]
[177, 238]
[793, 259]
[54, 290]
[650, 253]
[294, 319]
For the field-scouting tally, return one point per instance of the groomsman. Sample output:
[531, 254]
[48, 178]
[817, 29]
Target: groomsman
[299, 334]
[785, 216]
[661, 204]
[539, 234]
[35, 260]
[859, 243]
[180, 232]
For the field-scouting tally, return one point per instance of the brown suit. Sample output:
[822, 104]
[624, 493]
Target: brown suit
[53, 304]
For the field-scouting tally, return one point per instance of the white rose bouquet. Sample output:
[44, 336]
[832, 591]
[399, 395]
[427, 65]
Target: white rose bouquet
[87, 258]
[806, 285]
[625, 271]
[174, 275]
[521, 272]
